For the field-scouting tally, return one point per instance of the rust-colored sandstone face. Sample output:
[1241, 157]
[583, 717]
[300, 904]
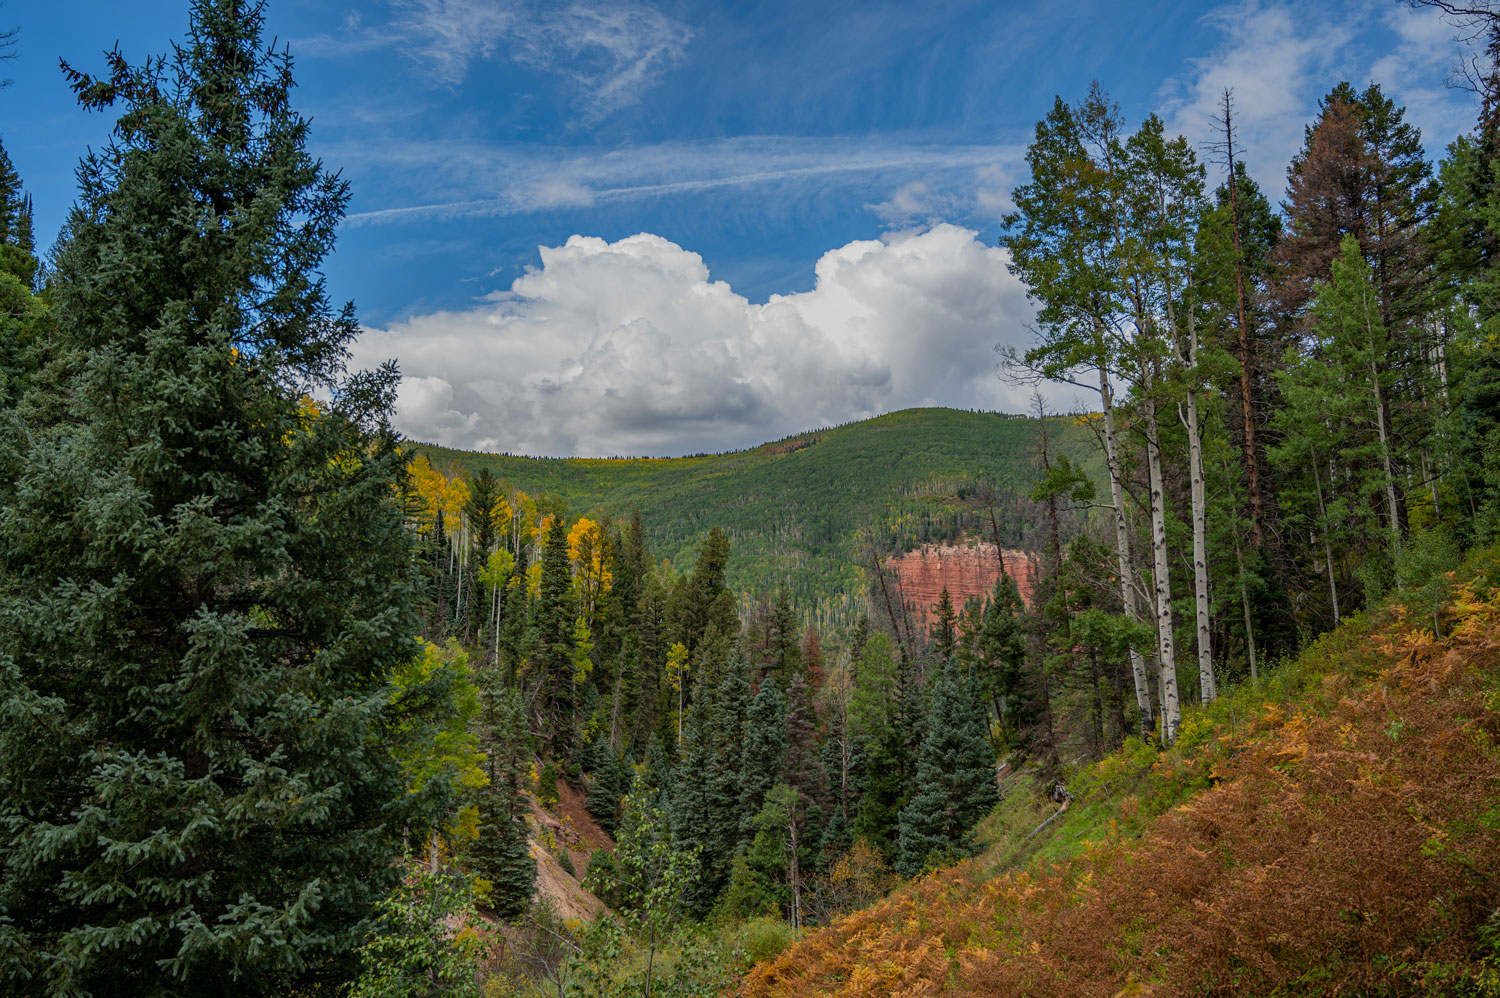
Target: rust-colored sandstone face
[963, 569]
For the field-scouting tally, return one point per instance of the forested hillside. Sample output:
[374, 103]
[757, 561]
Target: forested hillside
[291, 705]
[803, 513]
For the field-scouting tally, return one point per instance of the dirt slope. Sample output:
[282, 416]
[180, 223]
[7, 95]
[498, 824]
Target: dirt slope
[1346, 844]
[574, 833]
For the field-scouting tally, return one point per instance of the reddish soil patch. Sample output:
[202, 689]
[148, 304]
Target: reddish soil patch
[789, 446]
[588, 835]
[572, 832]
[963, 569]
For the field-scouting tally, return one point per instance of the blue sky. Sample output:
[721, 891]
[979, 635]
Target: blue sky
[785, 213]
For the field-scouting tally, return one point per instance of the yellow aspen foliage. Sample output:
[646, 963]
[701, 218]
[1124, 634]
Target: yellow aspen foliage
[583, 645]
[581, 537]
[589, 555]
[430, 485]
[501, 514]
[525, 516]
[455, 497]
[497, 569]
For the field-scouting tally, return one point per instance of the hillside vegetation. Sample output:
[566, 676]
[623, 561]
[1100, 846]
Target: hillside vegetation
[1331, 829]
[795, 508]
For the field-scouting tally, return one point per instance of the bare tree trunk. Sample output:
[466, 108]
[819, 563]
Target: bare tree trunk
[1430, 472]
[1167, 666]
[1122, 550]
[1053, 537]
[614, 713]
[796, 875]
[1385, 455]
[1239, 559]
[1252, 460]
[1333, 588]
[650, 960]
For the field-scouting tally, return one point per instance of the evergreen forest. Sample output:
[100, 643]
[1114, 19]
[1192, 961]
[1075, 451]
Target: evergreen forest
[293, 705]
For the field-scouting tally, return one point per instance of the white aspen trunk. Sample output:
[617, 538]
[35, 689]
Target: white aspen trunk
[1171, 713]
[1122, 550]
[796, 877]
[1429, 472]
[1208, 688]
[1208, 684]
[1385, 443]
[614, 716]
[1333, 588]
[1385, 455]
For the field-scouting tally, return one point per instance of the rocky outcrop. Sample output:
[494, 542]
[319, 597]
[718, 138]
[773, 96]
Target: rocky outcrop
[963, 569]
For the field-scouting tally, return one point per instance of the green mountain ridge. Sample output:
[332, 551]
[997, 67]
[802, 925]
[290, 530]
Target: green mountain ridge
[798, 509]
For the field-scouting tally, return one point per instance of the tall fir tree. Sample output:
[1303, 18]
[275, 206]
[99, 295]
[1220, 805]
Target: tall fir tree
[944, 630]
[21, 311]
[206, 578]
[955, 777]
[17, 247]
[1001, 655]
[555, 619]
[765, 747]
[725, 775]
[501, 852]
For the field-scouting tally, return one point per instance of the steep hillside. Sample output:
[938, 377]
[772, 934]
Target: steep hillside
[795, 508]
[1330, 830]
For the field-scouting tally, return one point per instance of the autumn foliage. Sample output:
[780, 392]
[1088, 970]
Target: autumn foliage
[1348, 845]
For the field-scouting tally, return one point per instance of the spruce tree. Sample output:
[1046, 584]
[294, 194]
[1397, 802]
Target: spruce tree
[607, 782]
[501, 853]
[786, 655]
[765, 748]
[955, 777]
[703, 605]
[21, 311]
[17, 249]
[555, 617]
[943, 631]
[723, 780]
[802, 765]
[205, 580]
[1001, 648]
[692, 810]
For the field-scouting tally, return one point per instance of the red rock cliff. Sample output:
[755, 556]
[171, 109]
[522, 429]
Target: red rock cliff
[963, 569]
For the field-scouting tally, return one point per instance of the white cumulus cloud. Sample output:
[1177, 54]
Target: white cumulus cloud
[631, 347]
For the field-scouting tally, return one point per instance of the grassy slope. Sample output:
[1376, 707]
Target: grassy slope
[794, 507]
[1332, 830]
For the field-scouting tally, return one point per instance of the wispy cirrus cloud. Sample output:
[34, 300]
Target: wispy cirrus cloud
[1279, 57]
[1426, 39]
[1276, 59]
[609, 51]
[541, 179]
